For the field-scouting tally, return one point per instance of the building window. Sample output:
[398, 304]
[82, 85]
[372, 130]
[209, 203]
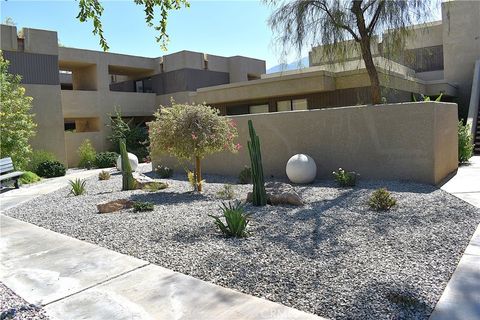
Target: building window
[299, 104]
[205, 61]
[261, 108]
[139, 86]
[251, 76]
[81, 124]
[285, 105]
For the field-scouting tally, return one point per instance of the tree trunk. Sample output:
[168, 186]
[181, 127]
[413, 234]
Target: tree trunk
[367, 52]
[198, 174]
[372, 71]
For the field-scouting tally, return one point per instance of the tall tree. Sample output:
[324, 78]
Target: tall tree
[16, 121]
[93, 9]
[335, 23]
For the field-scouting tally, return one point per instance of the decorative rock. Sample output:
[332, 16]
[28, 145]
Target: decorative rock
[279, 193]
[301, 168]
[131, 158]
[142, 181]
[115, 205]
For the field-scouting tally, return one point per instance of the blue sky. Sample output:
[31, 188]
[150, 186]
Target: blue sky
[224, 28]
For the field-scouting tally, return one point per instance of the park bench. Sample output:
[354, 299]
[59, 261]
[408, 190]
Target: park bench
[7, 171]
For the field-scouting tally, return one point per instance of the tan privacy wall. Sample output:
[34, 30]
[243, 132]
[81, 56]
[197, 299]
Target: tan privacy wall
[408, 141]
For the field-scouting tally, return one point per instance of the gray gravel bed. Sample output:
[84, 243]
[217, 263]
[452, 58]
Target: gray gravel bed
[333, 257]
[14, 307]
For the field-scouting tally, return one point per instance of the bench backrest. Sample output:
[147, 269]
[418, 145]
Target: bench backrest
[6, 165]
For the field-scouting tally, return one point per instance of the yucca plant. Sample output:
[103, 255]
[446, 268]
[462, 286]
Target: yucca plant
[236, 220]
[104, 175]
[78, 187]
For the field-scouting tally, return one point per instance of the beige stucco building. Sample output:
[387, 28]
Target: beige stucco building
[75, 91]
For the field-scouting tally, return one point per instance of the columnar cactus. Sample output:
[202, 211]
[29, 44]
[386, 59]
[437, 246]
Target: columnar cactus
[259, 197]
[128, 183]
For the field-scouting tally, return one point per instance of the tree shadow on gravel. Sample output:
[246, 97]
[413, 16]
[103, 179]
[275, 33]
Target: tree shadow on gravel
[310, 239]
[395, 300]
[168, 198]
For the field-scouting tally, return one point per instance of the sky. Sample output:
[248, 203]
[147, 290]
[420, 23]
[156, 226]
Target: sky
[224, 28]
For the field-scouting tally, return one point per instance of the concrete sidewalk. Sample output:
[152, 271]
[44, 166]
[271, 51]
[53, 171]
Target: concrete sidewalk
[461, 298]
[73, 279]
[14, 197]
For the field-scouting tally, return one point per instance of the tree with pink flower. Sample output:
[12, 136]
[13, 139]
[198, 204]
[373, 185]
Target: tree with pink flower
[191, 132]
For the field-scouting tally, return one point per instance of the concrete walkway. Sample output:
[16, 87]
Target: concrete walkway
[461, 298]
[14, 197]
[73, 279]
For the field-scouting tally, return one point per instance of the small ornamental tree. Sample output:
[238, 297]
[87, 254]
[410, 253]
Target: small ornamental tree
[191, 132]
[16, 122]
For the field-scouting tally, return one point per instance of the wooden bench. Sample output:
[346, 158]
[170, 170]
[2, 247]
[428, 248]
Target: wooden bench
[7, 172]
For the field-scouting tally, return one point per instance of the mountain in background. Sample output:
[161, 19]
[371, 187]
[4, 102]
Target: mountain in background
[302, 63]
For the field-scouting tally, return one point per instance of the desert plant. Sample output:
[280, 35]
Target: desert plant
[29, 177]
[191, 132]
[106, 159]
[427, 98]
[141, 206]
[164, 172]
[245, 176]
[104, 175]
[135, 135]
[192, 179]
[235, 218]
[37, 157]
[226, 192]
[51, 169]
[77, 187]
[155, 186]
[465, 142]
[259, 196]
[128, 183]
[87, 154]
[344, 178]
[381, 200]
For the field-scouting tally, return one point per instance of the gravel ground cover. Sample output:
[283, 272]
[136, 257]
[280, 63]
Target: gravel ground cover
[333, 257]
[14, 307]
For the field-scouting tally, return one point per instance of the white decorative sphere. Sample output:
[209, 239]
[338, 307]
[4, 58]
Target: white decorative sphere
[131, 158]
[301, 169]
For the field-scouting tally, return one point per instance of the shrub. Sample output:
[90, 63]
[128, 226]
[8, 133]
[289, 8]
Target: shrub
[51, 169]
[17, 125]
[106, 159]
[344, 178]
[245, 176]
[87, 154]
[235, 218]
[135, 135]
[29, 177]
[164, 172]
[77, 187]
[465, 142]
[37, 157]
[155, 186]
[104, 175]
[227, 192]
[381, 200]
[191, 132]
[141, 206]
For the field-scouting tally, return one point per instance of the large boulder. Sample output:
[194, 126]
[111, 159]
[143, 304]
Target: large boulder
[131, 158]
[115, 205]
[279, 193]
[301, 168]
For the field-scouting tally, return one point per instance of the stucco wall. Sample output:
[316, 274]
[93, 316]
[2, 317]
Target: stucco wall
[75, 139]
[409, 141]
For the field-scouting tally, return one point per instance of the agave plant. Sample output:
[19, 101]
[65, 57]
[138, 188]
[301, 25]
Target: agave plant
[77, 187]
[236, 220]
